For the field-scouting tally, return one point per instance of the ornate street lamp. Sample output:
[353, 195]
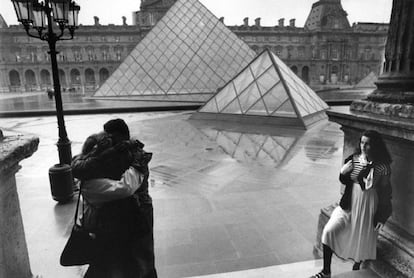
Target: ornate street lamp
[40, 19]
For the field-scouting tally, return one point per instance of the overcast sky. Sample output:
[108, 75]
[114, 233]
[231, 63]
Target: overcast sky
[233, 11]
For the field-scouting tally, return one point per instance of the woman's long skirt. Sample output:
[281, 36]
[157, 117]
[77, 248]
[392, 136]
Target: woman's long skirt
[351, 234]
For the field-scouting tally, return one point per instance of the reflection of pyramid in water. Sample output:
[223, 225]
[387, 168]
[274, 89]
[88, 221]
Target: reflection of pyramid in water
[263, 148]
[187, 55]
[368, 81]
[266, 90]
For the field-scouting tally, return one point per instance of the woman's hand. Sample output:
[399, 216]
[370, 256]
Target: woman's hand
[379, 226]
[347, 168]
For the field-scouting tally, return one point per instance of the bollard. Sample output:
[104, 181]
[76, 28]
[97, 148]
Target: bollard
[61, 182]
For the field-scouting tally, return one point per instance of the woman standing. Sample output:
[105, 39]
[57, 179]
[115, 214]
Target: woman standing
[118, 208]
[351, 232]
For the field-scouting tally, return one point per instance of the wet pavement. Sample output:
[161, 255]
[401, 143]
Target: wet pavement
[227, 197]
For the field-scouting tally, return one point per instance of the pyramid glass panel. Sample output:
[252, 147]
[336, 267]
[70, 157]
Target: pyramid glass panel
[189, 40]
[225, 97]
[233, 108]
[258, 109]
[211, 107]
[261, 64]
[275, 97]
[273, 90]
[249, 97]
[243, 80]
[267, 80]
[285, 110]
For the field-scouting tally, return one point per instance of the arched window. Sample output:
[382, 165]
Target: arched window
[45, 80]
[75, 77]
[14, 78]
[334, 74]
[89, 77]
[367, 51]
[62, 78]
[30, 77]
[305, 74]
[103, 75]
[294, 69]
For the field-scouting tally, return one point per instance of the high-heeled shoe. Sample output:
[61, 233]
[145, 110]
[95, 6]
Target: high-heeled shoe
[321, 275]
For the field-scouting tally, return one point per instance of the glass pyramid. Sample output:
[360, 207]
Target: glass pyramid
[186, 56]
[266, 90]
[368, 81]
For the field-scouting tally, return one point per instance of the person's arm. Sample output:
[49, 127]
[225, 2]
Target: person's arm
[98, 191]
[89, 166]
[344, 175]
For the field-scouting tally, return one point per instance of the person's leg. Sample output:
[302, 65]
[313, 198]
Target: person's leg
[334, 228]
[327, 259]
[143, 245]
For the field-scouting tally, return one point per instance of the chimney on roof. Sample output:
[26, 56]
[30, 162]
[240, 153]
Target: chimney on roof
[292, 22]
[282, 22]
[96, 19]
[221, 19]
[257, 22]
[246, 22]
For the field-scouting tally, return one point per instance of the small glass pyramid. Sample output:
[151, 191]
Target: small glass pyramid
[186, 56]
[266, 90]
[368, 81]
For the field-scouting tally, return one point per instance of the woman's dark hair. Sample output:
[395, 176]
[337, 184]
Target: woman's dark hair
[379, 151]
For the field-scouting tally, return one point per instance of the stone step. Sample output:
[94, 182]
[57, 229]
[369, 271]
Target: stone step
[296, 270]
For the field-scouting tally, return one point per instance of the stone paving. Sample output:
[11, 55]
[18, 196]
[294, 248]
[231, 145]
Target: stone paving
[227, 197]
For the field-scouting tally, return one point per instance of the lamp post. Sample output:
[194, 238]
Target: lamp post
[40, 19]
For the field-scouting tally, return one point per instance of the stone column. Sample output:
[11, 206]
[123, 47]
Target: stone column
[389, 110]
[14, 258]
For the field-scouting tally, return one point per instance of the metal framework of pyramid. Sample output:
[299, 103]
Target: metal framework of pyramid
[266, 91]
[186, 56]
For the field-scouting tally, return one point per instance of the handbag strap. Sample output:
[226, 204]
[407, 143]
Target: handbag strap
[77, 204]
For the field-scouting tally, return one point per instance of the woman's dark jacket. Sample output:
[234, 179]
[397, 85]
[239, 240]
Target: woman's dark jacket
[381, 184]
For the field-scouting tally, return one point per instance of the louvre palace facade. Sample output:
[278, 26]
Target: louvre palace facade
[326, 52]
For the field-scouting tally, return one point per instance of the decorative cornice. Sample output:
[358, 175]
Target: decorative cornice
[13, 149]
[397, 110]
